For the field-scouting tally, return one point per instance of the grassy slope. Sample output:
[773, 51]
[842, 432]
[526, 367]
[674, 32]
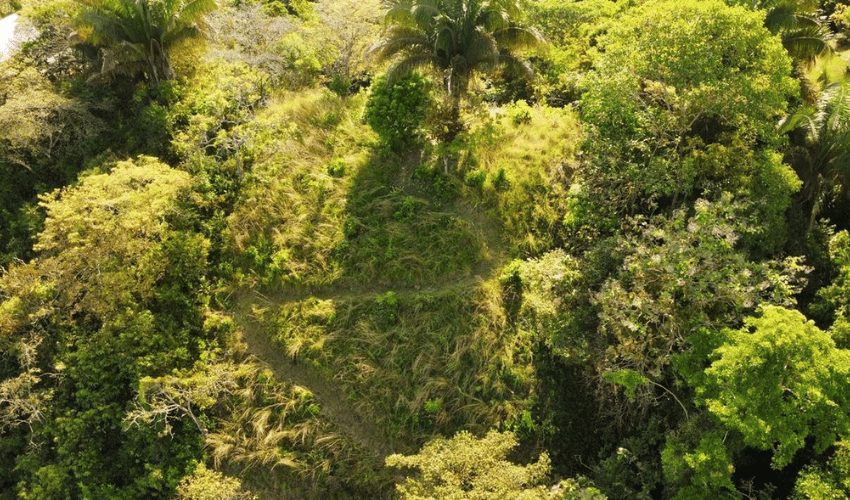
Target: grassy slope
[381, 271]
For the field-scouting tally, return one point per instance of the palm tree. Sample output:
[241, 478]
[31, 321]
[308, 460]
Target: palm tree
[138, 34]
[802, 35]
[822, 154]
[454, 39]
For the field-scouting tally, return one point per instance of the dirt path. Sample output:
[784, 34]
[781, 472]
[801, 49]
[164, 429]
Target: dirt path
[335, 405]
[334, 402]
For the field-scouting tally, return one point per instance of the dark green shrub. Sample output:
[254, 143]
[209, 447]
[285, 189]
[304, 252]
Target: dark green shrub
[396, 110]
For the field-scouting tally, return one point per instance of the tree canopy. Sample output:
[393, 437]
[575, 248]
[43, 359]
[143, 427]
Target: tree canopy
[137, 35]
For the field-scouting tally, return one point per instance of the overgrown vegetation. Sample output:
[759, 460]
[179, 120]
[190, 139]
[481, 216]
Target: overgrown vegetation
[595, 249]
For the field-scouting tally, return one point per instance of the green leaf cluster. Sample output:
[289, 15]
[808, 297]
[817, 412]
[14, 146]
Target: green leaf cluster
[396, 110]
[777, 381]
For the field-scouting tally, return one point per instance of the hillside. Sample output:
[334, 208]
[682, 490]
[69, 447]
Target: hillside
[455, 249]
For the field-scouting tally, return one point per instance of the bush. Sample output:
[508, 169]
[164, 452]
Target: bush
[396, 110]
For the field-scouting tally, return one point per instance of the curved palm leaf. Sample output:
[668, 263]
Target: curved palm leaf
[823, 160]
[806, 43]
[802, 35]
[454, 38]
[152, 26]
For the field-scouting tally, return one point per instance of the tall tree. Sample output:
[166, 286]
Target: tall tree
[455, 39]
[137, 35]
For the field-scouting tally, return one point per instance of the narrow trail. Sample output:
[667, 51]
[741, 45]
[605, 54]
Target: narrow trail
[495, 255]
[333, 401]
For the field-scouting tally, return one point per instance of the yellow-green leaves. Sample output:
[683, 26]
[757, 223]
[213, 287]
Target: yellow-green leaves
[684, 102]
[466, 468]
[779, 380]
[102, 239]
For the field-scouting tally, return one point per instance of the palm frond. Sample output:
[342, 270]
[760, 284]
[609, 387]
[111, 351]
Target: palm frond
[802, 118]
[516, 38]
[424, 15]
[196, 9]
[176, 36]
[806, 43]
[483, 49]
[781, 19]
[392, 47]
[516, 65]
[399, 15]
[410, 64]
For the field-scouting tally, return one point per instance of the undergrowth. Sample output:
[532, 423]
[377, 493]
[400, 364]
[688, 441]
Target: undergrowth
[419, 363]
[323, 204]
[517, 160]
[271, 434]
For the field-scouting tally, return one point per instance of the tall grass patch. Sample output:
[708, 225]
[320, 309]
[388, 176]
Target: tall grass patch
[291, 217]
[271, 433]
[518, 161]
[322, 204]
[420, 363]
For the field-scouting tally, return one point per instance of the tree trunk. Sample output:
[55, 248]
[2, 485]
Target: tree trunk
[160, 63]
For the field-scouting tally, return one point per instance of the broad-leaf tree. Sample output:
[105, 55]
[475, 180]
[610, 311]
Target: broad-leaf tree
[683, 104]
[777, 381]
[137, 35]
[115, 294]
[467, 468]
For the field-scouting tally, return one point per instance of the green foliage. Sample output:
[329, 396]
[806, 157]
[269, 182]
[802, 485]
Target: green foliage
[834, 298]
[8, 6]
[665, 128]
[777, 381]
[528, 169]
[692, 67]
[629, 379]
[45, 139]
[302, 59]
[822, 157]
[205, 484]
[827, 482]
[214, 116]
[841, 17]
[797, 24]
[669, 286]
[118, 291]
[138, 35]
[699, 468]
[454, 39]
[396, 111]
[474, 469]
[464, 356]
[572, 28]
[94, 269]
[633, 470]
